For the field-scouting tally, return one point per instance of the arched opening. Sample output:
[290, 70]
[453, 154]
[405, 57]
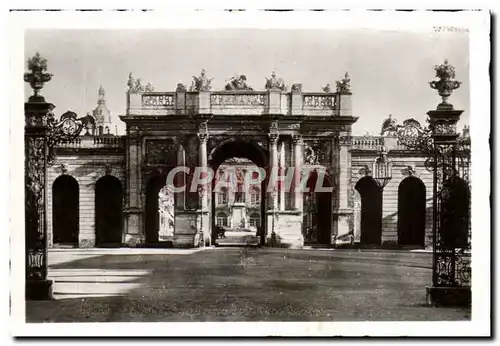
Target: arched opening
[455, 214]
[65, 211]
[371, 211]
[317, 207]
[411, 212]
[108, 212]
[160, 212]
[231, 161]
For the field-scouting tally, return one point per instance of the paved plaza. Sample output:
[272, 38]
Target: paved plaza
[238, 284]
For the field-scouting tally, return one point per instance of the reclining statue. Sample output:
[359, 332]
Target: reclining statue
[238, 83]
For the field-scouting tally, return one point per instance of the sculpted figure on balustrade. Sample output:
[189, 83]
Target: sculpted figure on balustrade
[275, 83]
[238, 83]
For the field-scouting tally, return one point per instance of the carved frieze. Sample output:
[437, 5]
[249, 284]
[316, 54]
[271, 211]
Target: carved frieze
[318, 152]
[191, 149]
[319, 101]
[238, 100]
[158, 100]
[445, 128]
[161, 152]
[345, 140]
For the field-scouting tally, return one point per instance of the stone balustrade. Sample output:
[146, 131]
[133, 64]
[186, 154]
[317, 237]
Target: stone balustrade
[94, 142]
[239, 102]
[390, 142]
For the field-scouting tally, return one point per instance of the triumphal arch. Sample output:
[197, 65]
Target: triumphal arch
[275, 128]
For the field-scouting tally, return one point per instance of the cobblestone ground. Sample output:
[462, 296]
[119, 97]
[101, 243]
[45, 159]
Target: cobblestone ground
[239, 284]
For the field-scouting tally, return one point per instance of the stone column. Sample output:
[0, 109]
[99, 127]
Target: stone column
[134, 233]
[181, 179]
[297, 162]
[35, 144]
[281, 191]
[273, 165]
[204, 190]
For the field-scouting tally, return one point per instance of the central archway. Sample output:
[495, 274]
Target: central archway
[160, 212]
[317, 218]
[239, 148]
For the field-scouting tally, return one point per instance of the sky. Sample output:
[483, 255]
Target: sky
[390, 70]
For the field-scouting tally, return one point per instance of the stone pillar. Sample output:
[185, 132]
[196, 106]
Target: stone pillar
[204, 190]
[343, 214]
[134, 233]
[344, 104]
[180, 179]
[273, 165]
[274, 101]
[204, 106]
[36, 112]
[297, 162]
[282, 172]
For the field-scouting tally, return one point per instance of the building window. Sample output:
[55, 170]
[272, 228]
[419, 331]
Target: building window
[221, 220]
[222, 197]
[254, 220]
[255, 197]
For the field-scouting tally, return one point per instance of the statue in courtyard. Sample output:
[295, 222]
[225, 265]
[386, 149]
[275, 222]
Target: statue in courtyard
[201, 83]
[274, 83]
[389, 127]
[344, 85]
[238, 83]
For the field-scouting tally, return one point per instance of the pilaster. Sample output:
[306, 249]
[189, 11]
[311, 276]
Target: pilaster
[343, 213]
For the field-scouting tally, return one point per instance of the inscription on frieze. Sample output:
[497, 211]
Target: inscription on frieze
[238, 100]
[318, 101]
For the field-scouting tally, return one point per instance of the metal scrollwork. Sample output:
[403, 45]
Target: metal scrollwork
[66, 129]
[448, 157]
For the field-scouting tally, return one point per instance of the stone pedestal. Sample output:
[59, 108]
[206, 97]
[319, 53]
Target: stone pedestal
[287, 229]
[133, 235]
[239, 215]
[187, 228]
[274, 101]
[449, 296]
